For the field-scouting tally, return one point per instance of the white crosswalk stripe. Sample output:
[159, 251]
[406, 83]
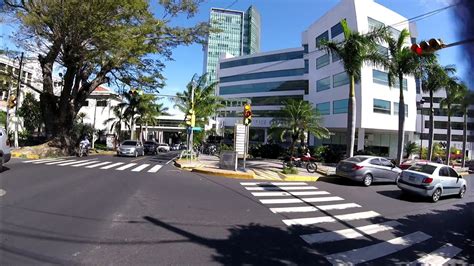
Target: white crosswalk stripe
[126, 166]
[329, 219]
[349, 233]
[140, 168]
[294, 200]
[273, 188]
[155, 168]
[86, 163]
[111, 165]
[295, 193]
[273, 183]
[378, 250]
[58, 162]
[47, 161]
[439, 256]
[71, 163]
[97, 165]
[315, 208]
[38, 161]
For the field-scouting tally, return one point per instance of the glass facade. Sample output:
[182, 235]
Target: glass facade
[265, 87]
[322, 61]
[323, 84]
[273, 100]
[340, 79]
[263, 75]
[324, 108]
[382, 106]
[320, 38]
[336, 30]
[381, 77]
[239, 34]
[374, 24]
[340, 106]
[263, 59]
[395, 109]
[335, 57]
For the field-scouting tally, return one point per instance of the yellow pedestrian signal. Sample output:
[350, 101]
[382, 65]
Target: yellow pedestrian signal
[11, 102]
[247, 114]
[191, 118]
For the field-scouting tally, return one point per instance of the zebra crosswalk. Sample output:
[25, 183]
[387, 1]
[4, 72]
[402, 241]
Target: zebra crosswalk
[97, 164]
[324, 218]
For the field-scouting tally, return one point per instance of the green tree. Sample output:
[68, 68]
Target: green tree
[411, 148]
[354, 51]
[148, 112]
[434, 78]
[117, 120]
[3, 118]
[96, 42]
[297, 118]
[467, 98]
[402, 61]
[31, 112]
[206, 103]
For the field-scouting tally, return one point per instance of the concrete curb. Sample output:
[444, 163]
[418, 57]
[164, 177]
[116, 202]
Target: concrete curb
[225, 173]
[25, 156]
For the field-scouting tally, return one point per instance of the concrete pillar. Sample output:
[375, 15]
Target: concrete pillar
[160, 136]
[265, 136]
[360, 139]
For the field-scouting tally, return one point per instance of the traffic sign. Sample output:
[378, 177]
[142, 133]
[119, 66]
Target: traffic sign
[197, 128]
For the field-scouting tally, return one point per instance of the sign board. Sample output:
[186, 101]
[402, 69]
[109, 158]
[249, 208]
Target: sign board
[110, 140]
[239, 139]
[228, 160]
[197, 128]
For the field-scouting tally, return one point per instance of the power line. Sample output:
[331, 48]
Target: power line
[233, 3]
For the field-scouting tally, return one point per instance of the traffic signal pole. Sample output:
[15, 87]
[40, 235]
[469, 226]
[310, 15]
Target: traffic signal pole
[18, 101]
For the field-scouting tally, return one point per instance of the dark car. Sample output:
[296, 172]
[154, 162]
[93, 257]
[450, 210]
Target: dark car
[368, 169]
[151, 147]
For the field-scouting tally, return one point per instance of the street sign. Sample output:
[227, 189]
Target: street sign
[197, 128]
[239, 139]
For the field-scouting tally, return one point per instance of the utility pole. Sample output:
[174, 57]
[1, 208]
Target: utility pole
[18, 100]
[7, 124]
[191, 134]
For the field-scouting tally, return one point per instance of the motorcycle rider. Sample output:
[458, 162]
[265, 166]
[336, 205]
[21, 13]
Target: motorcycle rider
[85, 143]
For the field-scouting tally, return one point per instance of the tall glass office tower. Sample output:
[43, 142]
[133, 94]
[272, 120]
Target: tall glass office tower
[238, 34]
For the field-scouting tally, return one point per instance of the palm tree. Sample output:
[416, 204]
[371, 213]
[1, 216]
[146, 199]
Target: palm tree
[130, 105]
[206, 103]
[149, 114]
[411, 148]
[402, 62]
[354, 51]
[453, 96]
[297, 118]
[118, 118]
[434, 77]
[467, 98]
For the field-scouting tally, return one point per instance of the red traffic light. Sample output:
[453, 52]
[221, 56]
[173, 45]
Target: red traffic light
[247, 113]
[427, 47]
[416, 49]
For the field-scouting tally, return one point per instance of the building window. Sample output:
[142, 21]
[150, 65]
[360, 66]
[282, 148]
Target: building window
[374, 24]
[306, 66]
[381, 77]
[101, 103]
[382, 50]
[323, 108]
[322, 61]
[323, 84]
[262, 75]
[340, 79]
[340, 106]
[263, 59]
[395, 33]
[395, 109]
[335, 57]
[305, 48]
[85, 103]
[291, 85]
[381, 106]
[323, 37]
[336, 30]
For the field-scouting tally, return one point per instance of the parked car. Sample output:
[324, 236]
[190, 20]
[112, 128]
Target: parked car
[408, 163]
[470, 165]
[163, 147]
[150, 147]
[5, 154]
[368, 169]
[131, 148]
[175, 147]
[432, 180]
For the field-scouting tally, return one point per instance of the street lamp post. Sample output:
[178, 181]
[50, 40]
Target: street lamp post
[422, 126]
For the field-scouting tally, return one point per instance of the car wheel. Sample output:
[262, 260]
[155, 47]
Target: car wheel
[461, 194]
[311, 167]
[397, 179]
[1, 164]
[367, 180]
[436, 195]
[135, 154]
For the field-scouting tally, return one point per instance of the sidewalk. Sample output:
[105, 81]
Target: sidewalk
[255, 169]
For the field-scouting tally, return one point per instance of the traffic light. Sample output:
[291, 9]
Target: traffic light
[11, 102]
[427, 47]
[135, 92]
[191, 118]
[247, 114]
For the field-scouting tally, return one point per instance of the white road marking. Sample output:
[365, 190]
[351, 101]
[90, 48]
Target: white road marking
[141, 167]
[70, 163]
[37, 161]
[296, 193]
[47, 161]
[279, 188]
[315, 208]
[125, 166]
[97, 165]
[111, 165]
[293, 200]
[2, 192]
[349, 233]
[273, 183]
[439, 256]
[328, 219]
[372, 252]
[155, 168]
[86, 163]
[58, 162]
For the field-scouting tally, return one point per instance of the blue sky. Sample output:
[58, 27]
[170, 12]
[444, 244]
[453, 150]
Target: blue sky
[282, 24]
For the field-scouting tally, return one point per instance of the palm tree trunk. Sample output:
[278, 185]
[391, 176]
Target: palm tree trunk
[351, 119]
[448, 144]
[132, 128]
[401, 122]
[464, 140]
[431, 129]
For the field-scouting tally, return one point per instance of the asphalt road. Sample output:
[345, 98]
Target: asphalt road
[137, 211]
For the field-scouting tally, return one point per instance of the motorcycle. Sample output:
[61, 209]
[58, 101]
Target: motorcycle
[83, 150]
[307, 162]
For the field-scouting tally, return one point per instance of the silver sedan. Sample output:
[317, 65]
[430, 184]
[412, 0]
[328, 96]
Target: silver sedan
[368, 169]
[131, 148]
[432, 180]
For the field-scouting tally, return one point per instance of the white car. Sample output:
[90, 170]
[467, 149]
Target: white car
[163, 147]
[432, 180]
[4, 148]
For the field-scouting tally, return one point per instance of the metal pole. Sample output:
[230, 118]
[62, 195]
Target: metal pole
[18, 101]
[191, 140]
[93, 126]
[246, 143]
[8, 108]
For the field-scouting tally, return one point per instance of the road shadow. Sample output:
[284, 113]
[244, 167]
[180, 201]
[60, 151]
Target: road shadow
[400, 195]
[334, 179]
[4, 169]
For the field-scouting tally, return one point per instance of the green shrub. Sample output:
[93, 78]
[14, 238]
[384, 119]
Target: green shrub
[272, 151]
[290, 171]
[328, 155]
[255, 151]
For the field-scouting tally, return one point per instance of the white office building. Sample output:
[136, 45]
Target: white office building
[327, 85]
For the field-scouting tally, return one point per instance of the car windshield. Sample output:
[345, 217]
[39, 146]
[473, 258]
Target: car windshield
[423, 168]
[357, 159]
[149, 142]
[129, 143]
